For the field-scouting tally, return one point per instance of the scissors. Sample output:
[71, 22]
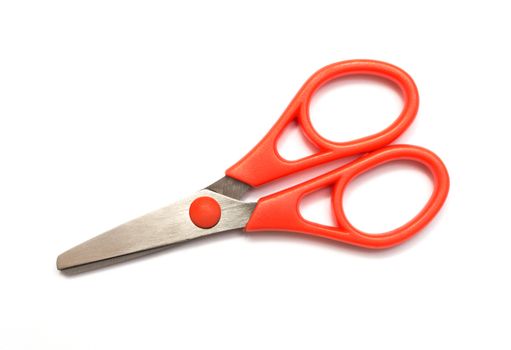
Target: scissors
[219, 208]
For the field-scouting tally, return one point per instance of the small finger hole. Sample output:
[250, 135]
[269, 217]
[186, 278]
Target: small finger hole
[317, 207]
[353, 107]
[387, 196]
[293, 144]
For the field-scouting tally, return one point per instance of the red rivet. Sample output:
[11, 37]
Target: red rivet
[205, 212]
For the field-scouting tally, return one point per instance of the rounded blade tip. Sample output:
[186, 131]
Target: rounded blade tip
[62, 264]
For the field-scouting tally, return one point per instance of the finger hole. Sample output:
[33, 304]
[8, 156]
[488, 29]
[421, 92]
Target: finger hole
[317, 207]
[293, 144]
[356, 106]
[387, 196]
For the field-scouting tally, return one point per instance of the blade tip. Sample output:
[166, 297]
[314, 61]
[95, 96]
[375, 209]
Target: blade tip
[61, 263]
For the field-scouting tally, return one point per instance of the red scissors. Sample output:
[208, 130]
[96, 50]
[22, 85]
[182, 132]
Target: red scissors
[218, 207]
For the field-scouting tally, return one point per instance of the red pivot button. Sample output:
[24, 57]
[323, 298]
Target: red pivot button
[205, 212]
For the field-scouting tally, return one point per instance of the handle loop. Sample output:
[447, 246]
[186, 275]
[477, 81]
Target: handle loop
[263, 163]
[280, 211]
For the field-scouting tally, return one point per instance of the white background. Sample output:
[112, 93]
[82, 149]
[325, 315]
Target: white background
[110, 109]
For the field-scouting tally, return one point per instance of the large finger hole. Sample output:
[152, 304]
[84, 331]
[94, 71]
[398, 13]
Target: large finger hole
[387, 196]
[353, 107]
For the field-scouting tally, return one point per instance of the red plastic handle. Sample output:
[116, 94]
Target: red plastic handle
[280, 211]
[263, 163]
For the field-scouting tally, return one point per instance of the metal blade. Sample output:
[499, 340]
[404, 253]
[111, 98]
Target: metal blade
[155, 230]
[230, 187]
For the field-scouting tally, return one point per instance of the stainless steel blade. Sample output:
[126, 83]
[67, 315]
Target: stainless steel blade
[155, 230]
[230, 187]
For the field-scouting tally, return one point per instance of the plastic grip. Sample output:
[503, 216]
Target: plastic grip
[280, 211]
[263, 163]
